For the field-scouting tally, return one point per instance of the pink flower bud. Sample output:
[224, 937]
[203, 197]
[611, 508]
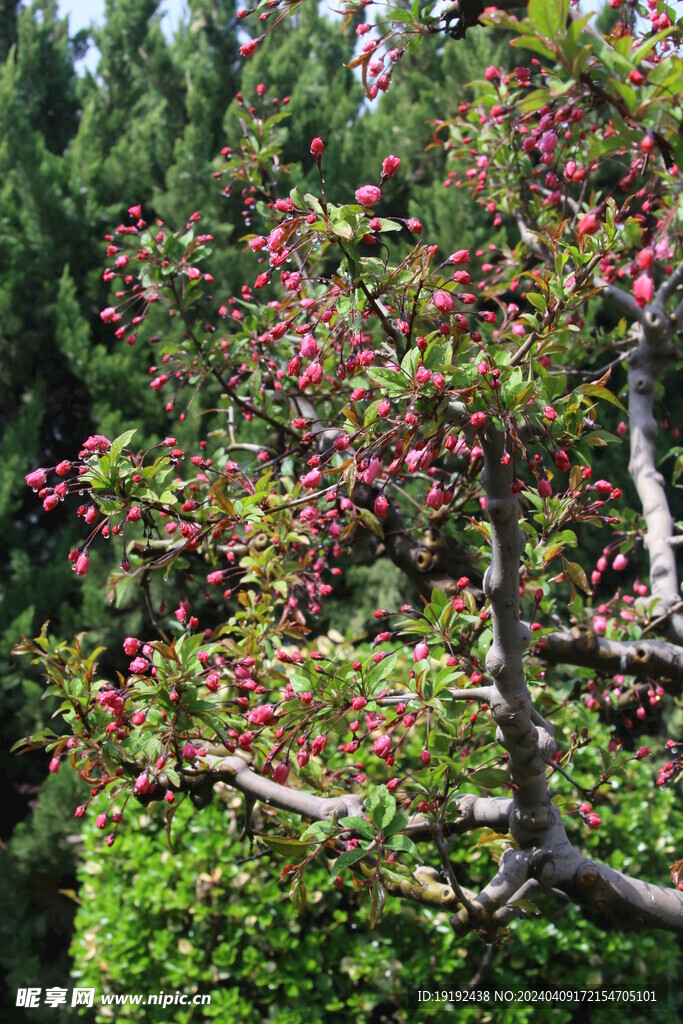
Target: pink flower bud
[309, 347]
[368, 195]
[390, 165]
[82, 565]
[435, 498]
[311, 479]
[645, 259]
[281, 773]
[262, 716]
[443, 302]
[143, 784]
[460, 257]
[36, 479]
[381, 506]
[588, 225]
[620, 563]
[421, 651]
[382, 746]
[373, 471]
[318, 745]
[643, 289]
[249, 48]
[317, 148]
[109, 315]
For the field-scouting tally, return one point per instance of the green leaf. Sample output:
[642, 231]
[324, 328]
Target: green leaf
[358, 825]
[283, 847]
[528, 42]
[397, 824]
[313, 202]
[389, 225]
[219, 499]
[347, 858]
[121, 441]
[490, 778]
[534, 100]
[404, 845]
[318, 829]
[395, 383]
[381, 807]
[297, 894]
[371, 413]
[342, 228]
[380, 671]
[649, 44]
[378, 897]
[620, 140]
[371, 522]
[36, 739]
[577, 576]
[549, 18]
[597, 391]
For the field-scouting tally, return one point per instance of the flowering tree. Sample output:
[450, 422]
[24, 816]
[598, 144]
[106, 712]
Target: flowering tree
[366, 394]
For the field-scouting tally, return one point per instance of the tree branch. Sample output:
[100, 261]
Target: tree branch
[511, 703]
[404, 550]
[612, 898]
[641, 658]
[425, 888]
[669, 286]
[473, 812]
[617, 900]
[236, 773]
[645, 362]
[513, 872]
[625, 301]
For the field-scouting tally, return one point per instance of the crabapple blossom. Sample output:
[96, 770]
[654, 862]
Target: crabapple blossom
[390, 165]
[420, 651]
[317, 148]
[443, 301]
[368, 195]
[643, 289]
